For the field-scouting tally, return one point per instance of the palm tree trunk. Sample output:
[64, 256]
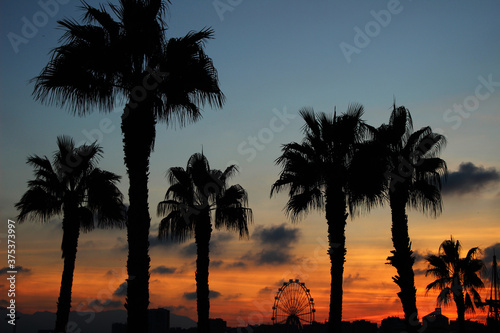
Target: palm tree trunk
[71, 232]
[458, 297]
[203, 231]
[336, 215]
[403, 261]
[138, 127]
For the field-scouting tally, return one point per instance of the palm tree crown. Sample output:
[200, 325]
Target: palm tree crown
[457, 278]
[85, 195]
[72, 183]
[103, 61]
[197, 196]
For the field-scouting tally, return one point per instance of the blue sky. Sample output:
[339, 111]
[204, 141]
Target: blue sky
[273, 58]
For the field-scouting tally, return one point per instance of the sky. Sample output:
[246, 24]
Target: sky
[439, 59]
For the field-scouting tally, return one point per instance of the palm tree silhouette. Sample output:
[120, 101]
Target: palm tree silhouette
[85, 195]
[125, 56]
[322, 173]
[457, 278]
[196, 196]
[414, 175]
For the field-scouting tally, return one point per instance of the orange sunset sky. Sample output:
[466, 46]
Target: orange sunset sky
[272, 59]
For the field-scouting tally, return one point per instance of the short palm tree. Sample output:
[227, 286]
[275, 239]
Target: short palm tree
[324, 172]
[457, 278]
[197, 196]
[123, 57]
[414, 174]
[86, 196]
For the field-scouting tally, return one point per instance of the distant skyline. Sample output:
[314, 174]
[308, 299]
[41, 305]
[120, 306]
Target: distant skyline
[440, 60]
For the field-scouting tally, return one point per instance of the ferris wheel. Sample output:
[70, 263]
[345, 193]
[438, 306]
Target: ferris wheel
[293, 305]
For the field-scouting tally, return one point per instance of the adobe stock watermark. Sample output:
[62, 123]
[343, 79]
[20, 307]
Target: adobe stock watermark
[90, 307]
[223, 6]
[363, 37]
[258, 142]
[31, 26]
[470, 104]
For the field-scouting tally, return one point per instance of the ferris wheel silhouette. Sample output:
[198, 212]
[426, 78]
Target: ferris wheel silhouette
[293, 305]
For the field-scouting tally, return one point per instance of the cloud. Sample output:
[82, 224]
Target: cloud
[268, 291]
[233, 296]
[276, 243]
[216, 263]
[87, 245]
[97, 304]
[349, 280]
[470, 178]
[178, 308]
[488, 260]
[270, 256]
[154, 241]
[420, 255]
[4, 302]
[121, 290]
[18, 269]
[163, 270]
[192, 295]
[237, 264]
[188, 250]
[418, 271]
[276, 236]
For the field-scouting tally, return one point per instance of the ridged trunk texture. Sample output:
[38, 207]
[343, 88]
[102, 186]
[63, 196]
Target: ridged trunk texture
[403, 261]
[138, 127]
[458, 297]
[71, 232]
[336, 215]
[203, 231]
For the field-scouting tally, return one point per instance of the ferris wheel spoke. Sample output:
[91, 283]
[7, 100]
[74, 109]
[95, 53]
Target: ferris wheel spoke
[293, 299]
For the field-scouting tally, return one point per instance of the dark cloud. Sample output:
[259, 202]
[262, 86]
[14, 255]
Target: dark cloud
[216, 263]
[233, 296]
[97, 304]
[87, 245]
[18, 269]
[420, 255]
[268, 291]
[219, 241]
[121, 290]
[276, 236]
[418, 271]
[237, 264]
[192, 296]
[470, 178]
[488, 261]
[163, 270]
[349, 280]
[4, 302]
[121, 244]
[188, 250]
[276, 243]
[176, 309]
[154, 241]
[270, 256]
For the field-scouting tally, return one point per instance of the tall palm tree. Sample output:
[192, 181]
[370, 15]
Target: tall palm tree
[457, 278]
[197, 196]
[324, 172]
[414, 174]
[124, 56]
[85, 195]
